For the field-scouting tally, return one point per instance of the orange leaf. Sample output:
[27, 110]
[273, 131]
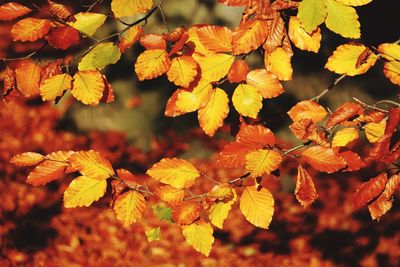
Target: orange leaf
[215, 38]
[266, 82]
[262, 161]
[186, 212]
[10, 11]
[354, 162]
[30, 29]
[55, 86]
[27, 159]
[182, 71]
[305, 190]
[234, 2]
[238, 71]
[385, 200]
[59, 10]
[347, 111]
[92, 164]
[88, 87]
[249, 36]
[28, 78]
[307, 109]
[50, 169]
[129, 207]
[233, 155]
[255, 134]
[151, 64]
[323, 159]
[171, 110]
[369, 190]
[63, 37]
[127, 176]
[257, 206]
[169, 194]
[130, 37]
[153, 41]
[276, 30]
[302, 39]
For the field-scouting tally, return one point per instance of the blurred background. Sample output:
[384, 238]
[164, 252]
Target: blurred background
[132, 132]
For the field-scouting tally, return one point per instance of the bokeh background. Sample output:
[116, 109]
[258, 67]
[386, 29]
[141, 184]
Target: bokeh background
[36, 230]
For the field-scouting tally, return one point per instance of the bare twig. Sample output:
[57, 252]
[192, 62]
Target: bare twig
[335, 82]
[25, 57]
[365, 105]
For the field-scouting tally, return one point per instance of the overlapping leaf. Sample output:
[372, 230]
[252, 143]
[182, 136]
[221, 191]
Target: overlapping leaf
[302, 39]
[220, 210]
[27, 159]
[214, 66]
[257, 206]
[278, 62]
[186, 212]
[129, 207]
[369, 190]
[215, 38]
[249, 36]
[307, 109]
[28, 78]
[92, 164]
[123, 8]
[151, 64]
[54, 86]
[12, 10]
[100, 56]
[262, 161]
[323, 159]
[83, 191]
[344, 136]
[88, 87]
[182, 71]
[88, 22]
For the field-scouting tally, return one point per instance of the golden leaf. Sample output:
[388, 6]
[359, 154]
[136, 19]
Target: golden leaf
[220, 210]
[182, 71]
[88, 22]
[100, 56]
[278, 62]
[247, 100]
[27, 159]
[302, 39]
[199, 236]
[374, 131]
[342, 19]
[129, 207]
[257, 206]
[249, 36]
[262, 161]
[344, 136]
[55, 86]
[92, 164]
[214, 66]
[124, 8]
[151, 64]
[266, 82]
[83, 191]
[88, 87]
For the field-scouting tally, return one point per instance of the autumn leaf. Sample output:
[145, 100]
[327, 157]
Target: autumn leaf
[347, 111]
[176, 172]
[255, 134]
[214, 66]
[276, 33]
[302, 39]
[130, 37]
[50, 169]
[182, 71]
[27, 159]
[151, 64]
[353, 160]
[354, 2]
[221, 192]
[233, 2]
[233, 155]
[129, 207]
[55, 86]
[153, 234]
[88, 87]
[63, 37]
[169, 194]
[391, 70]
[171, 109]
[92, 164]
[323, 159]
[247, 100]
[307, 109]
[278, 62]
[153, 41]
[305, 190]
[59, 10]
[124, 8]
[262, 161]
[374, 131]
[30, 29]
[344, 136]
[385, 200]
[266, 82]
[186, 212]
[127, 176]
[344, 60]
[212, 115]
[390, 51]
[83, 191]
[10, 11]
[215, 38]
[342, 19]
[369, 190]
[238, 71]
[100, 56]
[257, 206]
[28, 78]
[311, 14]
[249, 36]
[199, 236]
[163, 213]
[88, 22]
[219, 211]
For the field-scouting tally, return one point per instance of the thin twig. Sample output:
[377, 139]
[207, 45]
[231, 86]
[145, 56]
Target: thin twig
[335, 82]
[195, 196]
[365, 105]
[25, 57]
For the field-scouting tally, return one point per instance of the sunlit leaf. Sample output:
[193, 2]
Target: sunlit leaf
[342, 19]
[249, 36]
[374, 131]
[130, 37]
[12, 10]
[323, 159]
[199, 236]
[92, 164]
[88, 87]
[345, 112]
[266, 82]
[59, 10]
[220, 210]
[255, 134]
[63, 37]
[27, 159]
[88, 22]
[353, 160]
[369, 190]
[385, 200]
[151, 64]
[169, 194]
[28, 78]
[278, 62]
[83, 191]
[391, 70]
[257, 206]
[390, 51]
[55, 86]
[176, 172]
[215, 38]
[124, 8]
[153, 41]
[238, 71]
[311, 14]
[305, 190]
[247, 100]
[186, 212]
[344, 136]
[302, 39]
[30, 29]
[262, 161]
[100, 56]
[307, 109]
[129, 207]
[182, 71]
[214, 66]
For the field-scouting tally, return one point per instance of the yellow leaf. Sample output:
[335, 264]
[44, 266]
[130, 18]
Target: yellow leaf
[262, 161]
[55, 85]
[182, 71]
[130, 37]
[278, 62]
[124, 8]
[199, 236]
[249, 36]
[176, 172]
[257, 206]
[100, 56]
[87, 22]
[307, 109]
[27, 159]
[311, 14]
[302, 39]
[212, 115]
[345, 60]
[92, 164]
[187, 102]
[354, 2]
[88, 87]
[391, 70]
[151, 64]
[220, 210]
[83, 191]
[374, 131]
[342, 19]
[195, 39]
[390, 51]
[214, 66]
[153, 234]
[344, 136]
[247, 100]
[129, 207]
[266, 82]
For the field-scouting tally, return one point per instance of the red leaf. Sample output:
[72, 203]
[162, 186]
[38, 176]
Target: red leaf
[347, 111]
[51, 69]
[59, 10]
[63, 37]
[354, 162]
[153, 41]
[13, 10]
[305, 190]
[238, 71]
[385, 201]
[369, 190]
